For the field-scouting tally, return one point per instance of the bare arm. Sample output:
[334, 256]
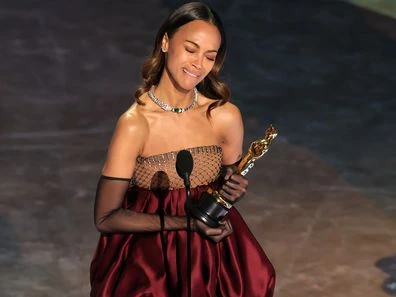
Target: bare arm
[230, 128]
[127, 142]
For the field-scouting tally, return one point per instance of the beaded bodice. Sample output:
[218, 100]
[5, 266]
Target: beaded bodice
[159, 171]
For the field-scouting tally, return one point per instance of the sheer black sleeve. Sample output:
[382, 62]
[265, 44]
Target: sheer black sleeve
[110, 217]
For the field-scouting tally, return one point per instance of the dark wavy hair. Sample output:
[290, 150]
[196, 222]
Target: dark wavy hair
[211, 86]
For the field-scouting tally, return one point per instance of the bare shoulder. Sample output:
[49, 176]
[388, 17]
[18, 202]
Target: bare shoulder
[226, 114]
[228, 124]
[133, 121]
[126, 144]
[132, 128]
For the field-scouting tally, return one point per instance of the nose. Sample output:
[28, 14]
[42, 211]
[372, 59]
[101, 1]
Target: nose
[197, 63]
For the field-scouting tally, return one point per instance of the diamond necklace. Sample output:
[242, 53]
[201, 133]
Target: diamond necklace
[167, 107]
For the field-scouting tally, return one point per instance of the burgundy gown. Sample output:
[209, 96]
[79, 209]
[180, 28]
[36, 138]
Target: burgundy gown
[154, 264]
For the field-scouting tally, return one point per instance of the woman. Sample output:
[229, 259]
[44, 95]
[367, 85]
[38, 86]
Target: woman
[140, 200]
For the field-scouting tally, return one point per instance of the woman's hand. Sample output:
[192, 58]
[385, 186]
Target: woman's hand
[215, 234]
[234, 186]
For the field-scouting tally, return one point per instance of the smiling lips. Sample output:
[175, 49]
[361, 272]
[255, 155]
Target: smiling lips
[195, 75]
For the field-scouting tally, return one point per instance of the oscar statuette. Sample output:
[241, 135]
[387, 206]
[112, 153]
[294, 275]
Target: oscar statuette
[211, 207]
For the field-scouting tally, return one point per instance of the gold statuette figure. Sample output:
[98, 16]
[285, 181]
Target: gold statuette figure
[212, 207]
[256, 150]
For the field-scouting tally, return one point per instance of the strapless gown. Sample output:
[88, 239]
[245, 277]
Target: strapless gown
[150, 265]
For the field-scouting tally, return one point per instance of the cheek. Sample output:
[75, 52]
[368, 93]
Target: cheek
[176, 57]
[208, 66]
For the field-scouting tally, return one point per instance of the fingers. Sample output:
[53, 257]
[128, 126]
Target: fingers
[227, 225]
[228, 172]
[234, 188]
[226, 231]
[213, 231]
[238, 179]
[215, 234]
[208, 231]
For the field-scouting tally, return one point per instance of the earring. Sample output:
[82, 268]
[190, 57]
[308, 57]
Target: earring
[163, 50]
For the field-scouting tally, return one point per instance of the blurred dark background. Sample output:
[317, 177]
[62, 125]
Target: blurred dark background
[323, 72]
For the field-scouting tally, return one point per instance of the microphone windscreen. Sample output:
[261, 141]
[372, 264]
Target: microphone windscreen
[184, 163]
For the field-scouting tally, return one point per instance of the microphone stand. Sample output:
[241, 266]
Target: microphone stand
[188, 216]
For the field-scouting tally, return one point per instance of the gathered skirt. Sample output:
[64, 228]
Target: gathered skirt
[151, 264]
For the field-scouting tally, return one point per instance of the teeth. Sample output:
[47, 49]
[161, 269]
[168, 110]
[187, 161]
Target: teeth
[189, 73]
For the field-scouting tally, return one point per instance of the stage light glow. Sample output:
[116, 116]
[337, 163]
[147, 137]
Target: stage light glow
[385, 7]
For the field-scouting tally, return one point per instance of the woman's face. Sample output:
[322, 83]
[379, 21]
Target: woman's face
[191, 53]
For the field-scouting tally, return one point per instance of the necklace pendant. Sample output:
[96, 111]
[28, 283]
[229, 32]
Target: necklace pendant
[177, 109]
[166, 107]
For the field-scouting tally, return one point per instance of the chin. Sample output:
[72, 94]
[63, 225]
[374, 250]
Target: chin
[189, 84]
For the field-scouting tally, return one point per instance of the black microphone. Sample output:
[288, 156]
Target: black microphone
[184, 166]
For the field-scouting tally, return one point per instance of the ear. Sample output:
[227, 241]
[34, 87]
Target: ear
[165, 43]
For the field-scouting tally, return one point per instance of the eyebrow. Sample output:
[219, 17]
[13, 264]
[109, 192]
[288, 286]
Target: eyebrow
[197, 45]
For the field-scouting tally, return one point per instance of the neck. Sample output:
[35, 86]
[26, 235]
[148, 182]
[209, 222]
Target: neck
[172, 94]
